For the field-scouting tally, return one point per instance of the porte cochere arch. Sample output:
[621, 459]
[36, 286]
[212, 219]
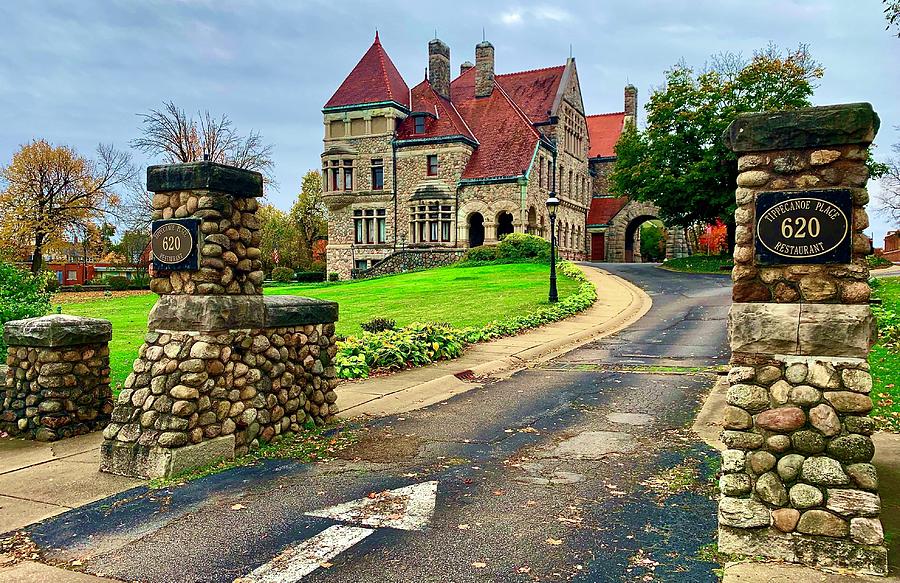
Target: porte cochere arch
[615, 235]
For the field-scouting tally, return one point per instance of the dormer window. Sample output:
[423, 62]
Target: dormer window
[420, 124]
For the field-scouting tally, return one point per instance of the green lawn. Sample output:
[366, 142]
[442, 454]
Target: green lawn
[462, 296]
[701, 264]
[885, 362]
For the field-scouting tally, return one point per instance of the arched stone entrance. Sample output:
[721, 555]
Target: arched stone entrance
[504, 224]
[532, 226]
[622, 239]
[476, 229]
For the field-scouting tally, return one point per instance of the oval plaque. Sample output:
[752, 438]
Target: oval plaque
[172, 243]
[798, 227]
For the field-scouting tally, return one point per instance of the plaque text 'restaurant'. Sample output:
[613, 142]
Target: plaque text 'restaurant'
[803, 227]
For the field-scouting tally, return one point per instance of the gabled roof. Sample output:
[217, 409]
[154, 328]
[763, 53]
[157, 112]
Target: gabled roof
[444, 120]
[507, 140]
[605, 208]
[604, 131]
[374, 79]
[533, 91]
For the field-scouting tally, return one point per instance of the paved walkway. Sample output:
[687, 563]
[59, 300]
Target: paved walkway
[40, 480]
[618, 305]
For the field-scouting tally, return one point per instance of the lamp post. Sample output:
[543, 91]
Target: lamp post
[552, 205]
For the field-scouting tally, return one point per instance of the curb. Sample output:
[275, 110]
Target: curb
[448, 385]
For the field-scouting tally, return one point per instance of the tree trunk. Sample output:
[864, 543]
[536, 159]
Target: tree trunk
[731, 228]
[37, 258]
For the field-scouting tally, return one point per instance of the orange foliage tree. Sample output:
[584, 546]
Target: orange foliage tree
[49, 189]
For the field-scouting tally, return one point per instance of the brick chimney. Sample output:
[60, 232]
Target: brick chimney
[631, 103]
[466, 65]
[484, 69]
[439, 67]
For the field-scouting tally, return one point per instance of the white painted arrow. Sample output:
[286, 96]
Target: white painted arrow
[407, 508]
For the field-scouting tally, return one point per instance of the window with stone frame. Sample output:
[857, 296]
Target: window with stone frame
[432, 164]
[430, 222]
[377, 174]
[369, 226]
[348, 175]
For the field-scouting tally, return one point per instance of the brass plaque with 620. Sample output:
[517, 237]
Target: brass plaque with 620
[174, 244]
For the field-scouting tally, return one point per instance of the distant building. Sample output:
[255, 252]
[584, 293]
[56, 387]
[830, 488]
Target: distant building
[892, 246]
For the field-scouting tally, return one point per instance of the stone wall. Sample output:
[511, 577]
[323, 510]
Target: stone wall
[243, 387]
[229, 230]
[219, 373]
[798, 484]
[57, 382]
[411, 260]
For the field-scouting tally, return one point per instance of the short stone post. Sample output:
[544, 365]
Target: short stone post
[798, 484]
[222, 369]
[57, 381]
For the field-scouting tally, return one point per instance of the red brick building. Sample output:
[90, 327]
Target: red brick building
[892, 246]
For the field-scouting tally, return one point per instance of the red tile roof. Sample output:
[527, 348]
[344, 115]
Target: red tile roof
[374, 79]
[604, 131]
[605, 208]
[447, 120]
[506, 138]
[533, 91]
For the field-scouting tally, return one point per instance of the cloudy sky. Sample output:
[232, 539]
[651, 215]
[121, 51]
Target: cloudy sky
[77, 73]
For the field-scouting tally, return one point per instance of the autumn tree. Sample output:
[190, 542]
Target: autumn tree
[680, 162]
[892, 14]
[50, 189]
[131, 247]
[175, 136]
[310, 215]
[278, 238]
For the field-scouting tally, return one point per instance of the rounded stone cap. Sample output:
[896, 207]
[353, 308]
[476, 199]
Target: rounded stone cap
[57, 330]
[205, 176]
[810, 127]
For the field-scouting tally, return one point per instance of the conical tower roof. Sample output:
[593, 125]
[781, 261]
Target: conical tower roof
[374, 79]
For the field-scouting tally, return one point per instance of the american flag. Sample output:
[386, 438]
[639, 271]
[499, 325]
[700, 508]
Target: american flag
[275, 256]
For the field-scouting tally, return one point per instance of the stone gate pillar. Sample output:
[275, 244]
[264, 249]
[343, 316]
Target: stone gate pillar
[798, 484]
[222, 368]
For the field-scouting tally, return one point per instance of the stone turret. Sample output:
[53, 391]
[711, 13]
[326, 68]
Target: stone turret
[630, 103]
[465, 66]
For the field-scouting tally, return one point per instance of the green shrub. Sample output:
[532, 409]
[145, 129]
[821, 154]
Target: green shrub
[519, 246]
[77, 288]
[482, 253]
[419, 344]
[52, 284]
[877, 262]
[379, 325]
[22, 295]
[283, 274]
[334, 276]
[140, 281]
[309, 276]
[117, 282]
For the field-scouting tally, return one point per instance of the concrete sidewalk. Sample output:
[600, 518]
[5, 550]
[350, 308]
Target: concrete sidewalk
[619, 304]
[708, 425]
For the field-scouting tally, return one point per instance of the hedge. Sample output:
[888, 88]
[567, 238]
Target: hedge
[22, 295]
[419, 343]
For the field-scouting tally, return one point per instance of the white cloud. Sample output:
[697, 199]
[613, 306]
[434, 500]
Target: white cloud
[541, 13]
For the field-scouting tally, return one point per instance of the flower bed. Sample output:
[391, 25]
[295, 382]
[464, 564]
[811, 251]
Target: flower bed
[419, 344]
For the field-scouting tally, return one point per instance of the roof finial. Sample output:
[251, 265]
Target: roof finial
[483, 38]
[435, 33]
[570, 50]
[426, 73]
[376, 36]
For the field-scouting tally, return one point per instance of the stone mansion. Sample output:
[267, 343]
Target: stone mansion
[458, 162]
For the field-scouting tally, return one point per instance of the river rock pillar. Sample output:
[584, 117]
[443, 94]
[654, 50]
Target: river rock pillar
[222, 369]
[798, 484]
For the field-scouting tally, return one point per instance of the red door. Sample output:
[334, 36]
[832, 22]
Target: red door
[598, 247]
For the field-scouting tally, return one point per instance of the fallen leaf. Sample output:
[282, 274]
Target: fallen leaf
[478, 565]
[553, 541]
[237, 506]
[463, 527]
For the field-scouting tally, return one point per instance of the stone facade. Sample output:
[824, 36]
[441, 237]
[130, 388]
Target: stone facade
[57, 382]
[797, 483]
[362, 141]
[222, 369]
